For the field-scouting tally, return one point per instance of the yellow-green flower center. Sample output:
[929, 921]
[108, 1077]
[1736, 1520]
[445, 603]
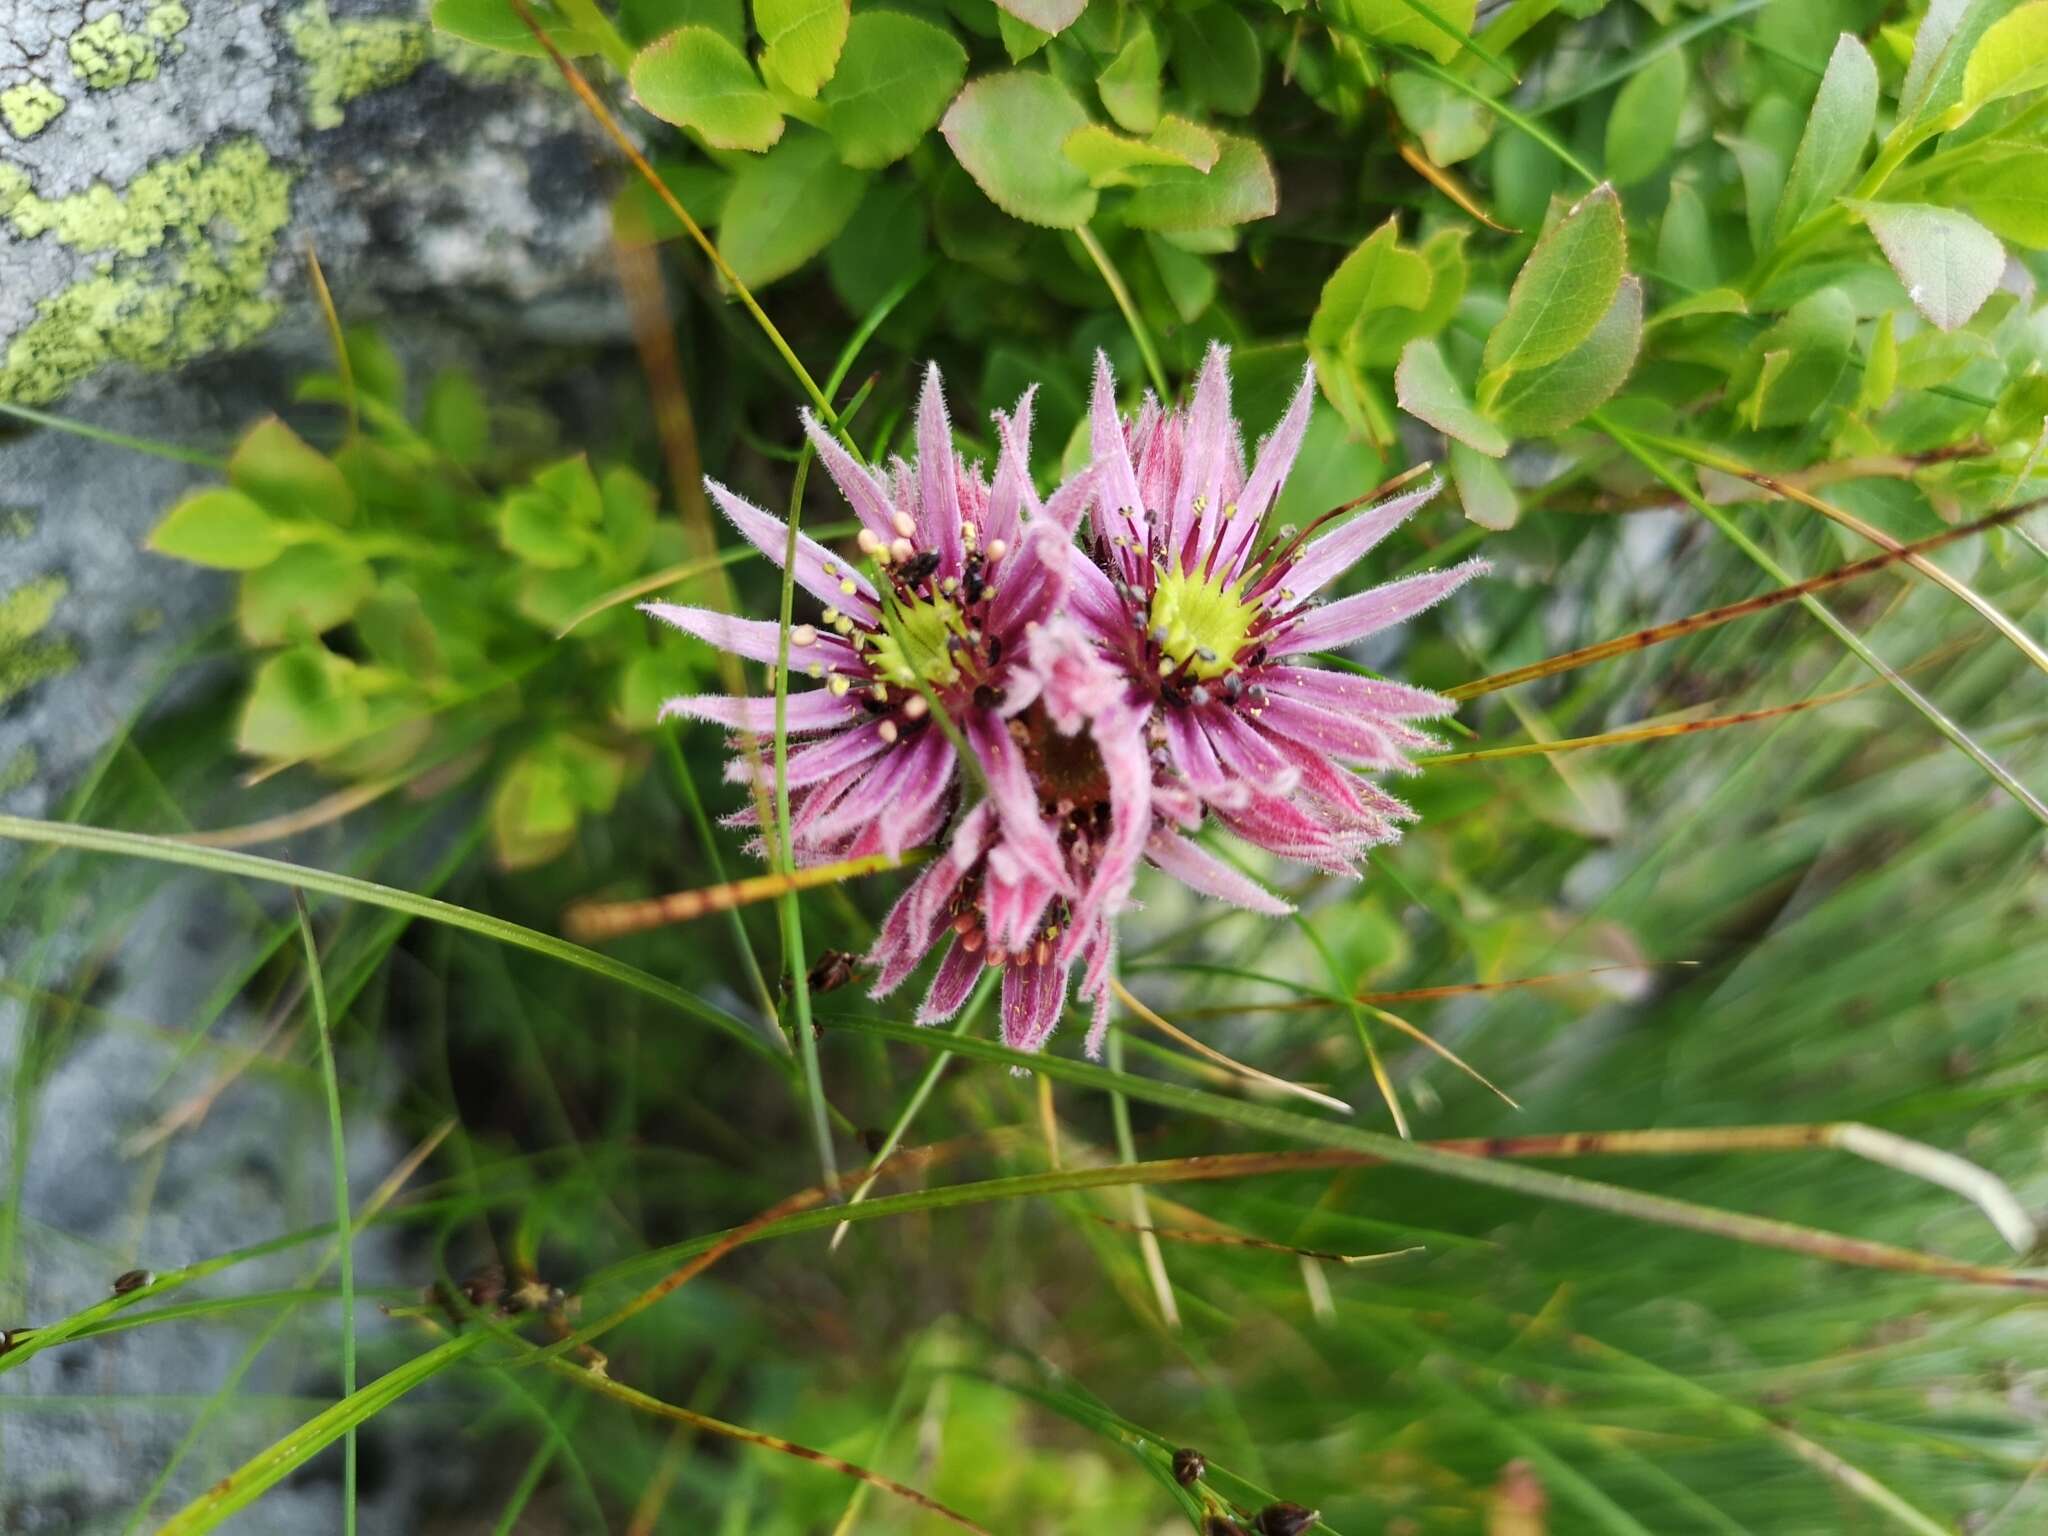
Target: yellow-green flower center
[1206, 621]
[911, 645]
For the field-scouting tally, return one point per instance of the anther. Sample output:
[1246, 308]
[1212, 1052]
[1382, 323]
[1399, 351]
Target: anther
[915, 708]
[901, 550]
[868, 540]
[802, 635]
[904, 524]
[838, 686]
[888, 732]
[997, 549]
[849, 586]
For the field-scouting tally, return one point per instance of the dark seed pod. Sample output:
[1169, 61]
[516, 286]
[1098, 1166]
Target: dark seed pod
[1221, 1525]
[9, 1337]
[1188, 1466]
[133, 1280]
[1284, 1519]
[484, 1288]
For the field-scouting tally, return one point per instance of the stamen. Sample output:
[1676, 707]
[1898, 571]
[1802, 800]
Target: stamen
[905, 525]
[868, 540]
[888, 732]
[838, 686]
[997, 549]
[901, 550]
[803, 635]
[915, 707]
[849, 586]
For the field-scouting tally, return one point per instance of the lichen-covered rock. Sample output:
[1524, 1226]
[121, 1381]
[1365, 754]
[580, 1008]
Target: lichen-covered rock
[163, 169]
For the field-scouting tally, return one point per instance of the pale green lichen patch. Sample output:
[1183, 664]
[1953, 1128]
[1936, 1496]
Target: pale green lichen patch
[345, 59]
[189, 248]
[29, 108]
[107, 56]
[26, 660]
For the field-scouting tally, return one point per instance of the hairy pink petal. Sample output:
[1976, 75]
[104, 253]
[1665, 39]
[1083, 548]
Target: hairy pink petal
[956, 977]
[1197, 868]
[868, 497]
[1350, 619]
[1348, 691]
[1119, 505]
[817, 709]
[1323, 560]
[818, 571]
[938, 473]
[754, 639]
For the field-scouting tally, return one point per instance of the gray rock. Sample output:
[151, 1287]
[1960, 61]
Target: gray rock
[163, 167]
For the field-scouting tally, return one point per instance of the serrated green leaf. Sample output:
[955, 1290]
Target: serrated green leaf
[493, 24]
[1434, 26]
[1837, 131]
[2010, 196]
[1051, 17]
[1948, 261]
[303, 702]
[1427, 390]
[801, 40]
[1002, 129]
[894, 79]
[1560, 394]
[1483, 489]
[1942, 52]
[787, 206]
[307, 589]
[1642, 130]
[220, 528]
[696, 79]
[1129, 84]
[2011, 57]
[1377, 338]
[1235, 190]
[280, 469]
[1216, 58]
[1564, 288]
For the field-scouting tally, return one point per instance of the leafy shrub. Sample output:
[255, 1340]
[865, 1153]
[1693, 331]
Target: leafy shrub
[402, 598]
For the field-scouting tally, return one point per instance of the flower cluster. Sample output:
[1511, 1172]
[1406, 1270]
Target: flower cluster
[1121, 662]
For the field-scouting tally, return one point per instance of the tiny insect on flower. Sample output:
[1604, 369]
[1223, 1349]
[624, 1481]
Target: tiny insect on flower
[1189, 1466]
[132, 1280]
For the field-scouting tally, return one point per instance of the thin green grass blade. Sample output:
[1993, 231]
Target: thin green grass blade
[337, 1150]
[278, 872]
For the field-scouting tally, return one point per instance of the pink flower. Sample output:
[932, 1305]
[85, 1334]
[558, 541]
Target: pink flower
[1212, 625]
[961, 570]
[1088, 784]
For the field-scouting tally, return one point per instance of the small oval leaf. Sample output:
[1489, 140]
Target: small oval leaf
[696, 79]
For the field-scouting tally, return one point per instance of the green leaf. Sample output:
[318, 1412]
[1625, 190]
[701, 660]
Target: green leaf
[495, 25]
[573, 487]
[1642, 130]
[277, 467]
[2010, 196]
[456, 420]
[894, 79]
[1237, 189]
[629, 519]
[1795, 366]
[642, 21]
[1113, 160]
[1376, 340]
[1839, 128]
[1685, 239]
[1714, 301]
[1378, 275]
[1425, 388]
[533, 810]
[1942, 53]
[1189, 281]
[1948, 261]
[787, 206]
[1558, 395]
[307, 589]
[1523, 174]
[1129, 85]
[2011, 57]
[801, 39]
[1881, 367]
[220, 528]
[1451, 125]
[1434, 26]
[1050, 17]
[303, 702]
[1564, 287]
[1762, 170]
[1483, 489]
[696, 79]
[1002, 129]
[1216, 58]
